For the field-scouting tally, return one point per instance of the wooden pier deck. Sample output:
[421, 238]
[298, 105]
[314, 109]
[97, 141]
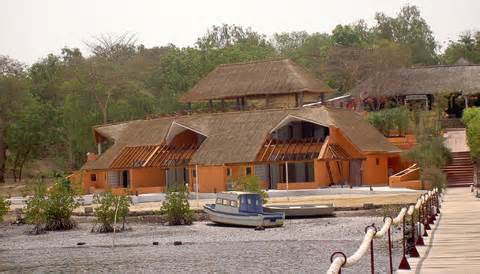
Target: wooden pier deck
[454, 242]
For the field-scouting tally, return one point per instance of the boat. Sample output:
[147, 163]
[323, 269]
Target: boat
[242, 209]
[307, 210]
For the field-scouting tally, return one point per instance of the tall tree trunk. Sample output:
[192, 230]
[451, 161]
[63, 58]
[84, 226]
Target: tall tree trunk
[3, 151]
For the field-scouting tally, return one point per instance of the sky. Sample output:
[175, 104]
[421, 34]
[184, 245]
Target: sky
[31, 29]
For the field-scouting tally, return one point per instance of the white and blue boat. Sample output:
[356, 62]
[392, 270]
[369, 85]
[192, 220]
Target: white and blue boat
[242, 209]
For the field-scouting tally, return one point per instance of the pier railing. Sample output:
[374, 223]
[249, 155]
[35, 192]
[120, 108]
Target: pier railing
[427, 208]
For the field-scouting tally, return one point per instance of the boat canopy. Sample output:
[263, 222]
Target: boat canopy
[250, 203]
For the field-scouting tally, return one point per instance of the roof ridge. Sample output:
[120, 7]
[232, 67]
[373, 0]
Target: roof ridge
[274, 59]
[444, 66]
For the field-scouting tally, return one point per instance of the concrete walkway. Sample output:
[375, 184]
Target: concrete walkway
[454, 242]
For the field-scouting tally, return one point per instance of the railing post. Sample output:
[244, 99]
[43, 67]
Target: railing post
[344, 259]
[372, 258]
[430, 211]
[426, 226]
[413, 252]
[389, 244]
[404, 262]
[420, 241]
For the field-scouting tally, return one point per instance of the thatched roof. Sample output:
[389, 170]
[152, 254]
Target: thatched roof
[424, 80]
[237, 137]
[254, 78]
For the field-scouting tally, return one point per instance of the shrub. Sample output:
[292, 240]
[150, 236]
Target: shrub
[61, 201]
[471, 118]
[251, 184]
[436, 177]
[389, 119]
[110, 209]
[4, 206]
[35, 211]
[176, 207]
[51, 209]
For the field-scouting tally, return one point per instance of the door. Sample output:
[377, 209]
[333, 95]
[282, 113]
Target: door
[125, 178]
[356, 172]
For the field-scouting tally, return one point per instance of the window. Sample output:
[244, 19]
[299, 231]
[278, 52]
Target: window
[377, 161]
[248, 171]
[219, 201]
[225, 202]
[233, 203]
[229, 171]
[298, 172]
[93, 177]
[194, 173]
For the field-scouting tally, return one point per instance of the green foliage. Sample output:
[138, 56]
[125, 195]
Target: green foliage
[467, 46]
[251, 184]
[176, 207]
[390, 119]
[4, 206]
[51, 209]
[435, 176]
[471, 118]
[61, 201]
[35, 210]
[410, 30]
[110, 209]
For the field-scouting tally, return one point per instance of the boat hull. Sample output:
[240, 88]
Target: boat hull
[250, 220]
[301, 210]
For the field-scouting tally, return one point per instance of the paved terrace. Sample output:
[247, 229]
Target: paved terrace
[454, 245]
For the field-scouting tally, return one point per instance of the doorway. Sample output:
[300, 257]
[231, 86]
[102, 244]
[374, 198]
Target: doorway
[356, 172]
[125, 179]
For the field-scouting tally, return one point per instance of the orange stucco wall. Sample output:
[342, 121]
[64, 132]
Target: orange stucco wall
[147, 177]
[375, 170]
[90, 186]
[211, 178]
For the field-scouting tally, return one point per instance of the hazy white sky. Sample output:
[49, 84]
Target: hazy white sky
[30, 29]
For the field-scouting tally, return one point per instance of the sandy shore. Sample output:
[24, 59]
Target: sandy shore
[302, 245]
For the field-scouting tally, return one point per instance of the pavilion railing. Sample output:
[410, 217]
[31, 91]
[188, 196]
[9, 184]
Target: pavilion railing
[427, 206]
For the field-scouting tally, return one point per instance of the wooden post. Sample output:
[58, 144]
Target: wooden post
[238, 103]
[196, 185]
[243, 103]
[300, 99]
[286, 178]
[99, 148]
[223, 104]
[210, 105]
[189, 107]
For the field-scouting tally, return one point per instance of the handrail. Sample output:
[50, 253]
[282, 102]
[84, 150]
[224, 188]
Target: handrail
[425, 202]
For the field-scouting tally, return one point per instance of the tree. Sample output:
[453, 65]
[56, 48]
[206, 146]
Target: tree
[32, 133]
[12, 94]
[409, 29]
[467, 46]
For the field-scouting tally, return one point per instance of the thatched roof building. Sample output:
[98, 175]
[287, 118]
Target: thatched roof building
[260, 78]
[234, 137]
[432, 80]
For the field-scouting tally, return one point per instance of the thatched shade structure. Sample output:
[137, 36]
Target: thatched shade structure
[260, 78]
[236, 137]
[425, 80]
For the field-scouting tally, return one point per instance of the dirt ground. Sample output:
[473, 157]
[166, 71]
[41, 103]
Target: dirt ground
[300, 246]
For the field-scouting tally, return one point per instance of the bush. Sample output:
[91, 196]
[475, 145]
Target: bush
[51, 209]
[35, 211]
[4, 206]
[61, 201]
[176, 207]
[389, 119]
[251, 184]
[436, 177]
[110, 209]
[471, 118]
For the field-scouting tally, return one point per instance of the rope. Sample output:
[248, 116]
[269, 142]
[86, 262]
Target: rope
[371, 233]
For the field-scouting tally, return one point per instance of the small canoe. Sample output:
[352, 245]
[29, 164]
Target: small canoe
[242, 209]
[307, 210]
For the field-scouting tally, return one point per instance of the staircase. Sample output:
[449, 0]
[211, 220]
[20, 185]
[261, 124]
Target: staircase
[460, 170]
